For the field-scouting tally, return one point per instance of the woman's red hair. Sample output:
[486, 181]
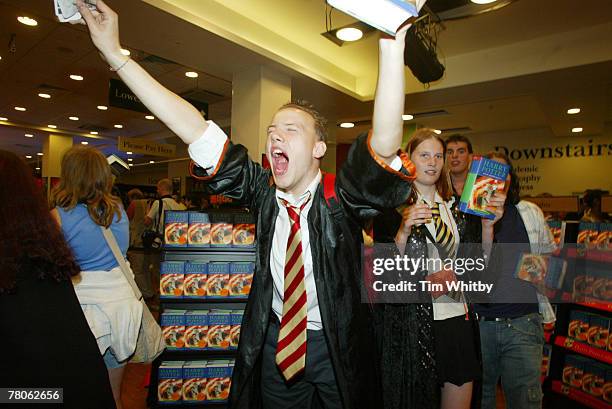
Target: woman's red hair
[30, 240]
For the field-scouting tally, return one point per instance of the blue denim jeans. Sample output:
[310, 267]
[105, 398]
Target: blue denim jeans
[512, 350]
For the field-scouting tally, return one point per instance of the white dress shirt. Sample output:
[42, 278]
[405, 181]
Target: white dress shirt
[278, 254]
[444, 307]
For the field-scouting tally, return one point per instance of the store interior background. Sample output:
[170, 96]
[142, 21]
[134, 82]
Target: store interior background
[511, 74]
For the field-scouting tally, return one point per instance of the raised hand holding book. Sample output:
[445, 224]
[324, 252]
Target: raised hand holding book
[485, 177]
[66, 10]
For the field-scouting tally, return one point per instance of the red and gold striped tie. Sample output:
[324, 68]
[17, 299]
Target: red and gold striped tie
[291, 347]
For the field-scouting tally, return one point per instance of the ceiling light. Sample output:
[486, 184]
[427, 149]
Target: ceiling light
[28, 156]
[3, 118]
[29, 135]
[130, 164]
[93, 132]
[576, 130]
[102, 107]
[73, 118]
[349, 34]
[130, 159]
[84, 143]
[347, 125]
[129, 153]
[407, 117]
[76, 77]
[40, 154]
[20, 109]
[191, 74]
[52, 126]
[118, 126]
[43, 95]
[125, 52]
[151, 161]
[37, 168]
[27, 21]
[149, 117]
[437, 131]
[573, 111]
[483, 1]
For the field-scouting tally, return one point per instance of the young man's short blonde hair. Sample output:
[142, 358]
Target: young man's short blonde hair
[319, 120]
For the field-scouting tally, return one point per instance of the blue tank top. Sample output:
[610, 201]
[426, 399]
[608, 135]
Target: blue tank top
[87, 241]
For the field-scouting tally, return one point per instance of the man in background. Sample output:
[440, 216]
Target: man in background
[459, 156]
[155, 219]
[164, 191]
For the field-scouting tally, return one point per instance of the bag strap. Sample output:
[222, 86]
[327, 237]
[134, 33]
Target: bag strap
[329, 188]
[125, 269]
[160, 208]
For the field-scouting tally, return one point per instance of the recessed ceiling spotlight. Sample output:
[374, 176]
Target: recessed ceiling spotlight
[73, 118]
[407, 117]
[37, 168]
[43, 95]
[29, 135]
[93, 132]
[125, 52]
[191, 74]
[129, 164]
[150, 117]
[437, 131]
[84, 143]
[28, 21]
[128, 152]
[28, 156]
[151, 161]
[118, 126]
[39, 153]
[3, 118]
[52, 126]
[20, 109]
[349, 34]
[576, 130]
[347, 125]
[573, 111]
[483, 1]
[102, 107]
[76, 77]
[130, 159]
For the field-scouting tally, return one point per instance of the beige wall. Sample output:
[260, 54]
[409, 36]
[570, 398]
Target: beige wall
[542, 163]
[146, 176]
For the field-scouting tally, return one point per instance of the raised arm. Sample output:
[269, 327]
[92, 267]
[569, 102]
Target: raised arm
[178, 115]
[387, 127]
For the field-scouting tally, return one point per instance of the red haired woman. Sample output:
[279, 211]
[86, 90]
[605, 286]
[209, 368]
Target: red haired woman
[430, 352]
[45, 338]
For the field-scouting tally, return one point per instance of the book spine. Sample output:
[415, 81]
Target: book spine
[408, 5]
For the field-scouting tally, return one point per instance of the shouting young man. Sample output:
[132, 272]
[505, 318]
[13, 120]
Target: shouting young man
[306, 334]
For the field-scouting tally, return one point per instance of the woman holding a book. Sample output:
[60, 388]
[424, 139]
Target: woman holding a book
[432, 349]
[83, 205]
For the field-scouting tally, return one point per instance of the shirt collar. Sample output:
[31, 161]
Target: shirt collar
[437, 199]
[297, 201]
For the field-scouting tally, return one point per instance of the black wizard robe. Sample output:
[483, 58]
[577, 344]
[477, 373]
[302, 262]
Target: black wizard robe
[364, 186]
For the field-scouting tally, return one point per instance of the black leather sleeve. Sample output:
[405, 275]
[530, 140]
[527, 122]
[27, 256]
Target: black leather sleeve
[365, 186]
[237, 177]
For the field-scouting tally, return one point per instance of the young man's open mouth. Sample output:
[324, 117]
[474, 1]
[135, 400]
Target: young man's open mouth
[280, 161]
